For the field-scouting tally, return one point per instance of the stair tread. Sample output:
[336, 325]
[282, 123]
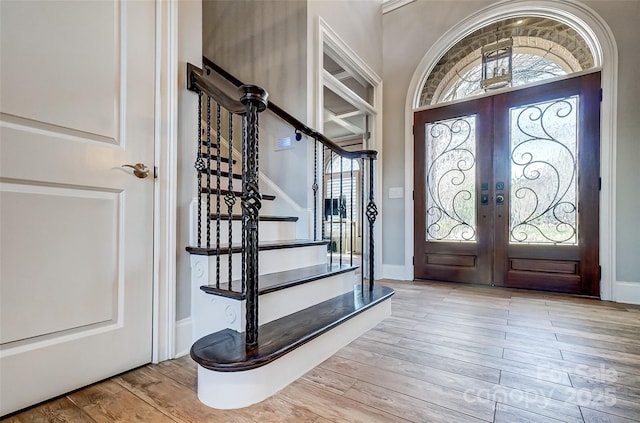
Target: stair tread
[262, 246]
[237, 193]
[262, 218]
[226, 351]
[281, 280]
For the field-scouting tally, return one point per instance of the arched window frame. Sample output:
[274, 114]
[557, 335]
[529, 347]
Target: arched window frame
[601, 42]
[539, 47]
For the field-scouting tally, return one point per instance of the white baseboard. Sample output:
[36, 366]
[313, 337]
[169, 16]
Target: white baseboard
[183, 337]
[394, 271]
[627, 292]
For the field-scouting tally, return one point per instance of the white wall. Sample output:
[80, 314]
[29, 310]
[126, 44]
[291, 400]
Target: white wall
[189, 50]
[408, 33]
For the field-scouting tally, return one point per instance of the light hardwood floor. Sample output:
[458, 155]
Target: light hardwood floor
[448, 353]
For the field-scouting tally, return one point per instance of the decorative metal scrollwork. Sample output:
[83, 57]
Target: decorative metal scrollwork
[200, 164]
[450, 174]
[251, 199]
[544, 171]
[230, 200]
[372, 211]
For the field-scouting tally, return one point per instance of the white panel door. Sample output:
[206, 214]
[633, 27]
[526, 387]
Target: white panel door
[76, 241]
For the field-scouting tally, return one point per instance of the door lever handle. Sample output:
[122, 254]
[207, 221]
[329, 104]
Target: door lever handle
[139, 170]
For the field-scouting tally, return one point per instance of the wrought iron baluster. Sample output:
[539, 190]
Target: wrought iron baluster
[315, 189]
[362, 267]
[331, 208]
[230, 200]
[199, 165]
[243, 165]
[340, 212]
[209, 173]
[218, 193]
[372, 212]
[323, 194]
[351, 217]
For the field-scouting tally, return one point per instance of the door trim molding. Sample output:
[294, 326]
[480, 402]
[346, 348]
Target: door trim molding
[326, 36]
[601, 40]
[166, 183]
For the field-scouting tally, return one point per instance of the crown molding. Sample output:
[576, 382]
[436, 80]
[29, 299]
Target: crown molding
[390, 5]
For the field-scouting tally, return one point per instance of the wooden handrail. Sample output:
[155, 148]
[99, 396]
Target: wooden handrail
[299, 126]
[197, 82]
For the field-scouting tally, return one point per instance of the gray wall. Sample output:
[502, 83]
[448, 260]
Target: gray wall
[408, 33]
[271, 43]
[264, 43]
[622, 16]
[358, 23]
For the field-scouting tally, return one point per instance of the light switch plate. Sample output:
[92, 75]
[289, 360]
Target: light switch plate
[284, 143]
[396, 192]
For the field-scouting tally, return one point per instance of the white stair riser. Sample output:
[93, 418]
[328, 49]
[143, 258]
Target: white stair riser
[268, 231]
[231, 390]
[277, 304]
[267, 210]
[212, 313]
[203, 268]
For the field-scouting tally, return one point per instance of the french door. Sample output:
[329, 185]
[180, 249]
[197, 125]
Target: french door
[507, 188]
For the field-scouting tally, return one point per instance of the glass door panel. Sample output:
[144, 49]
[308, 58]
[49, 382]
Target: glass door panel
[451, 179]
[452, 227]
[544, 172]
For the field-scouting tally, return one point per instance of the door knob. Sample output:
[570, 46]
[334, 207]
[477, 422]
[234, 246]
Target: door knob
[139, 170]
[500, 199]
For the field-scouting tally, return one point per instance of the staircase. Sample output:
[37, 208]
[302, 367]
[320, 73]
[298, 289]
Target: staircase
[266, 307]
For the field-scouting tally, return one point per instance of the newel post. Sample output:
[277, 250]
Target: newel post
[255, 99]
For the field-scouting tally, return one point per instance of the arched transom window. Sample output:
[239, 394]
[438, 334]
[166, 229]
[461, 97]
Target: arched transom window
[541, 48]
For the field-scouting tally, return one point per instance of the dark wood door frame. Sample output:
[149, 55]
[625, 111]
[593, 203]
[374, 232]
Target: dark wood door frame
[493, 259]
[454, 261]
[573, 269]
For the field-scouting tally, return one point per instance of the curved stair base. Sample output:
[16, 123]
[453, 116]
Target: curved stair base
[237, 389]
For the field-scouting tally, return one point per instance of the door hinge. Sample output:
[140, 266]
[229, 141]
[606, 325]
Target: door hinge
[599, 184]
[413, 260]
[600, 95]
[413, 195]
[599, 273]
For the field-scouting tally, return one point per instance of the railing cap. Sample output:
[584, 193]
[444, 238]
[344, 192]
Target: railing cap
[254, 93]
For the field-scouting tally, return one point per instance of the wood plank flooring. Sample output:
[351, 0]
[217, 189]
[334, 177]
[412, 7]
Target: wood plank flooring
[448, 353]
